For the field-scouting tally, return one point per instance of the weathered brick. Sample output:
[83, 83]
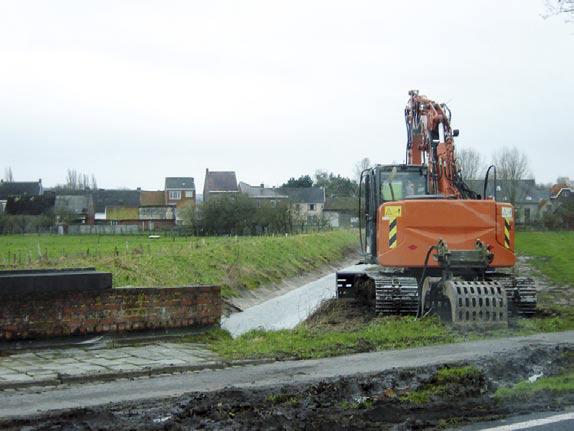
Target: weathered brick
[45, 315]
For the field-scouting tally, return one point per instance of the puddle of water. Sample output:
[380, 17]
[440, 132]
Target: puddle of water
[285, 311]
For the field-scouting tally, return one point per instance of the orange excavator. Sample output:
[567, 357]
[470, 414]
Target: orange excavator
[432, 245]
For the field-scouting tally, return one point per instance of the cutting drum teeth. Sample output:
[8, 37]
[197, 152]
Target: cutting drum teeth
[396, 295]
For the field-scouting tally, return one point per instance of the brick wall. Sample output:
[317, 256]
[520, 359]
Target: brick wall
[46, 314]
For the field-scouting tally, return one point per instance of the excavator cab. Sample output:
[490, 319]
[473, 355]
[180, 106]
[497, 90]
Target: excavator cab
[387, 183]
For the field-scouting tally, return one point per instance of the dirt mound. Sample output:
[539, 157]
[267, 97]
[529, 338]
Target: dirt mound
[342, 314]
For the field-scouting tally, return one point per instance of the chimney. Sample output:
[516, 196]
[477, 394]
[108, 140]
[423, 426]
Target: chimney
[262, 185]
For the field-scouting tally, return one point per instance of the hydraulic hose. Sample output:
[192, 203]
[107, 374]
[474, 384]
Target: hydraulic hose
[486, 182]
[422, 279]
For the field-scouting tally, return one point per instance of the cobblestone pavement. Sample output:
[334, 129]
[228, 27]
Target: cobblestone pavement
[56, 365]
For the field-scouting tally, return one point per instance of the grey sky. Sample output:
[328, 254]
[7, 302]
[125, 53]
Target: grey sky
[134, 91]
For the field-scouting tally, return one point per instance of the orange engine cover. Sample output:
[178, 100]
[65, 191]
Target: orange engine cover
[407, 229]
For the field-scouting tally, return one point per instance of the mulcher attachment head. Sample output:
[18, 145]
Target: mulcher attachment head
[475, 303]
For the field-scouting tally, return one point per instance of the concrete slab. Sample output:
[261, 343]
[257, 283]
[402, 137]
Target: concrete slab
[49, 364]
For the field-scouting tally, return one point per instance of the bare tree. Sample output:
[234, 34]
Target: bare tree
[511, 167]
[84, 182]
[71, 179]
[360, 166]
[470, 163]
[93, 183]
[8, 176]
[78, 181]
[560, 7]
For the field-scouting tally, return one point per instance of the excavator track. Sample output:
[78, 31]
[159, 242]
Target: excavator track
[395, 295]
[521, 294]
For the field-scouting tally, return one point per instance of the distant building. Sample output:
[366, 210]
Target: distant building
[122, 198]
[308, 202]
[74, 209]
[30, 205]
[263, 195]
[219, 183]
[18, 189]
[342, 211]
[152, 198]
[531, 199]
[565, 194]
[179, 190]
[151, 218]
[118, 215]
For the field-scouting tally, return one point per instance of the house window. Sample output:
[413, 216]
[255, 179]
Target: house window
[189, 193]
[311, 207]
[174, 195]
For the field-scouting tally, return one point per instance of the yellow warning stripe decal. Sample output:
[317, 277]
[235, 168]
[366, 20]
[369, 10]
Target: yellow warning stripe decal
[393, 232]
[507, 232]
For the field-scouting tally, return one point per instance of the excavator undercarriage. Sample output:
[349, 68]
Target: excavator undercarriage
[464, 291]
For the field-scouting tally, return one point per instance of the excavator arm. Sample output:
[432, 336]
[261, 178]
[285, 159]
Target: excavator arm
[430, 141]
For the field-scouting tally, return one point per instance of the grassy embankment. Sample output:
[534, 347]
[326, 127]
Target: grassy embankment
[138, 261]
[553, 255]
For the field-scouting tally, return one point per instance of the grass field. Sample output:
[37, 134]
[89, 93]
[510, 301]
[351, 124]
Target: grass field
[232, 262]
[304, 343]
[553, 253]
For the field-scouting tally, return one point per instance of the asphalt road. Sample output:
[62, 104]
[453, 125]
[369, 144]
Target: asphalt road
[555, 421]
[31, 401]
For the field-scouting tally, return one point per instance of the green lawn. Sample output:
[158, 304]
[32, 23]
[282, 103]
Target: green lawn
[305, 343]
[553, 253]
[134, 260]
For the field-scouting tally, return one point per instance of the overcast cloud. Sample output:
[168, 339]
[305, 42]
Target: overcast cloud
[134, 91]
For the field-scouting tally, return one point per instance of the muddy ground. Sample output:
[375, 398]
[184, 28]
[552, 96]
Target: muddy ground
[381, 401]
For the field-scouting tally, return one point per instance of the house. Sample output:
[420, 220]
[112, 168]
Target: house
[263, 195]
[122, 198]
[146, 218]
[30, 205]
[74, 209]
[152, 198]
[119, 215]
[218, 183]
[308, 202]
[342, 211]
[530, 199]
[179, 190]
[18, 189]
[152, 218]
[565, 194]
